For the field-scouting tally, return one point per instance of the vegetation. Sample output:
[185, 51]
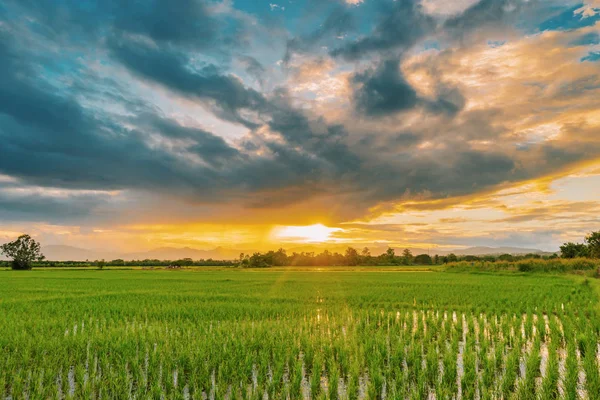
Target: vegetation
[589, 249]
[352, 257]
[285, 334]
[23, 251]
[186, 262]
[557, 265]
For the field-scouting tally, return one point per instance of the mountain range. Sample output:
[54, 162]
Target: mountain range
[70, 253]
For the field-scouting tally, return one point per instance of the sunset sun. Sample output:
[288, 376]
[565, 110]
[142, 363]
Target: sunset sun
[316, 233]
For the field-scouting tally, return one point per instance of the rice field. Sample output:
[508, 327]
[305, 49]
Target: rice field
[287, 334]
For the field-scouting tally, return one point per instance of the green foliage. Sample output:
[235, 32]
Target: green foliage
[550, 265]
[352, 257]
[407, 257]
[591, 247]
[593, 244]
[23, 251]
[100, 264]
[423, 259]
[574, 250]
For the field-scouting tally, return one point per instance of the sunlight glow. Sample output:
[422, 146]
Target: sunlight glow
[316, 233]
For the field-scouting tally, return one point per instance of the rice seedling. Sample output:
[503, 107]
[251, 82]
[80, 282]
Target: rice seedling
[297, 335]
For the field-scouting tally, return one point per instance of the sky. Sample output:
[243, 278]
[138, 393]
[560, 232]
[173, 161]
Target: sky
[259, 124]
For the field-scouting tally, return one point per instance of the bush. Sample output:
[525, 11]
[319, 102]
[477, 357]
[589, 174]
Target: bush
[557, 265]
[525, 266]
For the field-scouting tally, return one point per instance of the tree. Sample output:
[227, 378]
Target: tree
[352, 257]
[100, 264]
[593, 244]
[244, 260]
[423, 259]
[366, 252]
[23, 252]
[389, 257]
[573, 250]
[280, 258]
[407, 257]
[451, 258]
[257, 260]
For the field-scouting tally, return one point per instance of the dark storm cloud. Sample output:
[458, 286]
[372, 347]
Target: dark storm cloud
[338, 22]
[401, 24]
[486, 13]
[210, 148]
[183, 21]
[172, 69]
[441, 175]
[63, 131]
[384, 91]
[50, 140]
[35, 205]
[186, 22]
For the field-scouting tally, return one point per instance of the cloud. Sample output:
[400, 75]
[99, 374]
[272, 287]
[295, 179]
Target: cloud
[384, 91]
[173, 70]
[338, 22]
[447, 8]
[571, 18]
[23, 202]
[400, 25]
[187, 22]
[486, 13]
[195, 120]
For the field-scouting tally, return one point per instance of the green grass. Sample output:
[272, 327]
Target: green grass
[243, 333]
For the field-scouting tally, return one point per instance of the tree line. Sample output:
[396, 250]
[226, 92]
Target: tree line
[25, 253]
[352, 257]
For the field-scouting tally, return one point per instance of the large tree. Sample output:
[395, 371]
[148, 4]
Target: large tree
[23, 251]
[407, 257]
[352, 257]
[573, 250]
[593, 243]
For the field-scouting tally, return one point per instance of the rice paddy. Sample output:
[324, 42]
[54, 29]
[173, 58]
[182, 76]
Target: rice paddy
[225, 334]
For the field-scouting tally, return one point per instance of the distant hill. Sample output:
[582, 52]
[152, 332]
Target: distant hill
[177, 253]
[482, 250]
[70, 253]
